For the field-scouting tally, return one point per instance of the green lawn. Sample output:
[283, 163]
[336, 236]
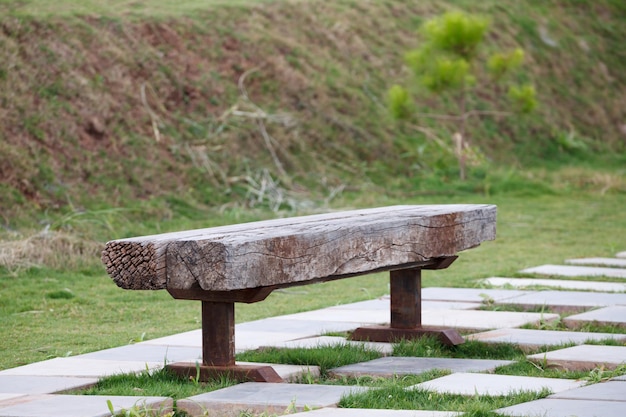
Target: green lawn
[48, 312]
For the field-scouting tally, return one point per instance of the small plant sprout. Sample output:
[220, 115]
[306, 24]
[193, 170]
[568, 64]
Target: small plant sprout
[141, 409]
[451, 65]
[487, 300]
[196, 379]
[601, 374]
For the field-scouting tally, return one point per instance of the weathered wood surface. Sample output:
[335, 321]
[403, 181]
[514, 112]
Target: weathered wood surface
[296, 250]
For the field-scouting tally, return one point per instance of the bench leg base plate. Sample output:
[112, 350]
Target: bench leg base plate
[386, 334]
[241, 373]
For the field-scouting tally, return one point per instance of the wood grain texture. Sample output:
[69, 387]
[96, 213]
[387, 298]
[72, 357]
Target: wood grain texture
[299, 249]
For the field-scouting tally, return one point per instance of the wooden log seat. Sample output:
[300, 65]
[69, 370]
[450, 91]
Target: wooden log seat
[245, 262]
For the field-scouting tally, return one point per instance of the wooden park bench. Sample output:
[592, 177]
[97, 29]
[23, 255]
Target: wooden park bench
[245, 262]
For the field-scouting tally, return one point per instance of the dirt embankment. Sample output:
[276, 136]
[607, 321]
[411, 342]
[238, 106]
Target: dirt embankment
[109, 110]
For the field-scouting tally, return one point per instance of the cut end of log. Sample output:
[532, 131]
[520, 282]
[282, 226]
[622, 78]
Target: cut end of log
[134, 265]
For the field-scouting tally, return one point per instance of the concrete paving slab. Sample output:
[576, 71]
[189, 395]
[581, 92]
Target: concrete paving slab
[603, 391]
[244, 339]
[29, 384]
[621, 255]
[568, 299]
[494, 385]
[531, 339]
[388, 367]
[147, 352]
[310, 342]
[482, 320]
[251, 340]
[556, 283]
[472, 295]
[584, 357]
[356, 317]
[449, 305]
[82, 406]
[608, 262]
[5, 398]
[74, 367]
[576, 271]
[614, 315]
[290, 373]
[619, 378]
[383, 303]
[302, 328]
[266, 397]
[322, 341]
[192, 338]
[552, 407]
[364, 412]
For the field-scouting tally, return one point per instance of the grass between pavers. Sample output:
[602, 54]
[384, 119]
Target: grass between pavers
[326, 357]
[388, 393]
[393, 396]
[159, 383]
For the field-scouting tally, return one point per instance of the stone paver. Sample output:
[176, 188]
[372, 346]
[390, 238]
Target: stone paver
[584, 357]
[576, 271]
[383, 303]
[388, 367]
[531, 339]
[147, 352]
[251, 340]
[604, 391]
[472, 295]
[265, 397]
[614, 315]
[619, 378]
[568, 299]
[30, 384]
[363, 412]
[306, 328]
[553, 407]
[449, 305]
[482, 320]
[7, 397]
[191, 338]
[290, 373]
[557, 283]
[74, 367]
[609, 262]
[81, 406]
[244, 339]
[494, 385]
[355, 318]
[324, 341]
[621, 255]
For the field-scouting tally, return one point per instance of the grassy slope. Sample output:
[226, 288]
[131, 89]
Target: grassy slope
[129, 104]
[77, 138]
[118, 8]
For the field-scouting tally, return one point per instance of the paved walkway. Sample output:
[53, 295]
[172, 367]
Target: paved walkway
[35, 390]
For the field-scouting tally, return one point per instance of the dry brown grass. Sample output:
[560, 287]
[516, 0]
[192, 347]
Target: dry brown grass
[597, 182]
[53, 249]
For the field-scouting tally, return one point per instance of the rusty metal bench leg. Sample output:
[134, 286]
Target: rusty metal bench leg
[406, 314]
[218, 350]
